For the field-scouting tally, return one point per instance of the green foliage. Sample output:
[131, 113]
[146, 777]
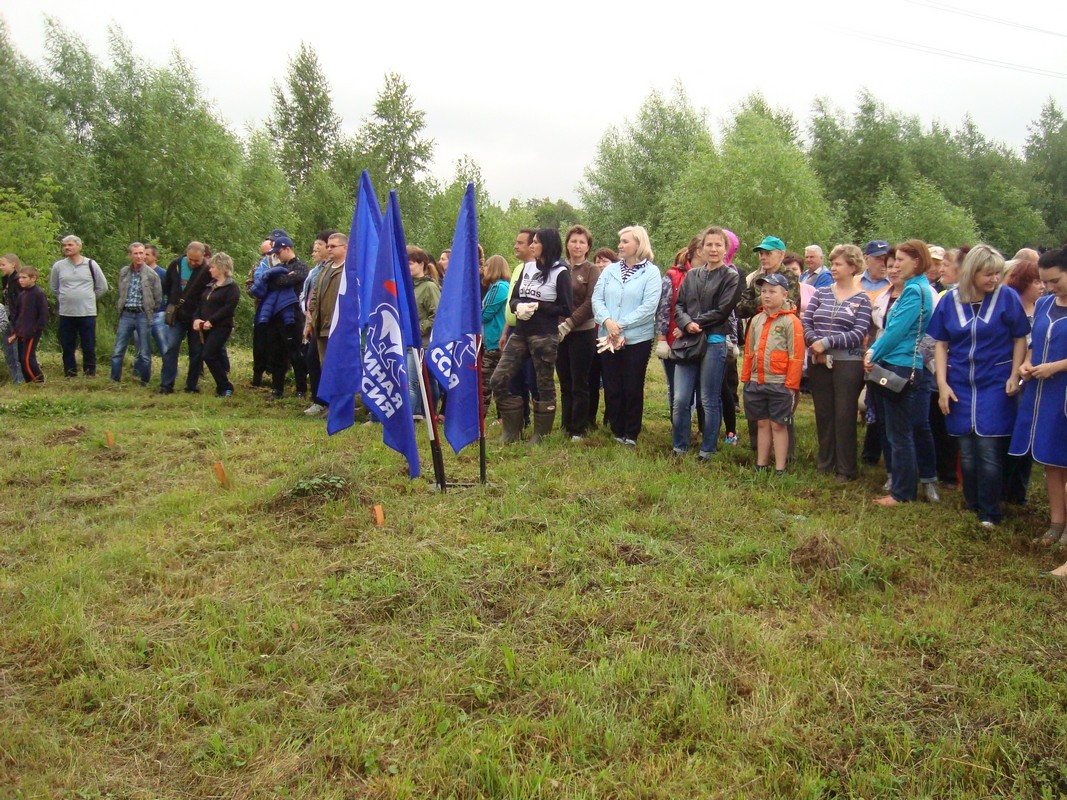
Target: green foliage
[28, 228]
[920, 212]
[758, 183]
[630, 179]
[397, 153]
[303, 124]
[1046, 152]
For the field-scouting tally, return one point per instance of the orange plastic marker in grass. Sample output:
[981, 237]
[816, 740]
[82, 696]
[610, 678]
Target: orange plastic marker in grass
[220, 473]
[110, 440]
[379, 515]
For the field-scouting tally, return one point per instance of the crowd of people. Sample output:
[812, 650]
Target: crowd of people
[955, 361]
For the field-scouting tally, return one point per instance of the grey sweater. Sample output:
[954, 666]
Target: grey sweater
[76, 286]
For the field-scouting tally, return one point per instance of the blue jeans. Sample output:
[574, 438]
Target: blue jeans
[159, 332]
[925, 449]
[899, 415]
[413, 387]
[71, 330]
[11, 356]
[169, 372]
[982, 465]
[710, 373]
[130, 322]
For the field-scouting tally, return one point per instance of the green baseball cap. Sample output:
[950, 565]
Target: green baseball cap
[769, 243]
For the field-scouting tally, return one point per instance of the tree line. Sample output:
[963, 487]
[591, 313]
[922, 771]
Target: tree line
[125, 150]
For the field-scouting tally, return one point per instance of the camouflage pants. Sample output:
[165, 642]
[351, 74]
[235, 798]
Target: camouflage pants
[541, 350]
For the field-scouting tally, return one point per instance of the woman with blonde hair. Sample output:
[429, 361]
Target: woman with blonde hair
[836, 322]
[214, 320]
[980, 330]
[624, 306]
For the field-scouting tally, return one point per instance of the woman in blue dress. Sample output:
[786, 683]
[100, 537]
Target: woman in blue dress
[979, 329]
[1041, 427]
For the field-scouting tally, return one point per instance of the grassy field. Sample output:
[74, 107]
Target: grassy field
[594, 623]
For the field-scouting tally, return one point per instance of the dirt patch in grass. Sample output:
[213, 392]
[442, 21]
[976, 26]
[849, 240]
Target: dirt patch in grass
[66, 436]
[816, 553]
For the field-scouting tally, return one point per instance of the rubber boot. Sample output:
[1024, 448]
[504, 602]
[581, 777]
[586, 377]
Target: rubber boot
[544, 415]
[511, 419]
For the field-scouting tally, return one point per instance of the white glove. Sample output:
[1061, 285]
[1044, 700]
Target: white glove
[663, 350]
[604, 345]
[524, 311]
[564, 329]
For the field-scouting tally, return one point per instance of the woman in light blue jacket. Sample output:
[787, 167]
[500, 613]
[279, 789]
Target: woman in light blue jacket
[624, 307]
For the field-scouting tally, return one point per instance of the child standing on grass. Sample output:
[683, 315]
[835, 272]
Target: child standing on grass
[774, 359]
[31, 315]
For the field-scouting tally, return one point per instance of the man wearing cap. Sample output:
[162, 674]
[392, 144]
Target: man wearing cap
[873, 278]
[187, 277]
[816, 274]
[279, 289]
[937, 258]
[771, 252]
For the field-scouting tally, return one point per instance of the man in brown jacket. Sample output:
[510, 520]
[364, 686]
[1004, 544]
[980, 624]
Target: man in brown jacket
[324, 295]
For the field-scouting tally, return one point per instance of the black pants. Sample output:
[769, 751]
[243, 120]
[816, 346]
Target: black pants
[260, 351]
[216, 359]
[314, 368]
[71, 330]
[31, 370]
[286, 350]
[946, 448]
[729, 393]
[573, 360]
[835, 394]
[624, 388]
[595, 374]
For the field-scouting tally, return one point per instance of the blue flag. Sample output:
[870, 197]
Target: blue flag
[341, 367]
[453, 352]
[389, 334]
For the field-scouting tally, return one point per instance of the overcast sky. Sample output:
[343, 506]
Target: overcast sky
[528, 90]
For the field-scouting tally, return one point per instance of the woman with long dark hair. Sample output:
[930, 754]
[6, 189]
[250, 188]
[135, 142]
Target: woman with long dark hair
[577, 336]
[541, 296]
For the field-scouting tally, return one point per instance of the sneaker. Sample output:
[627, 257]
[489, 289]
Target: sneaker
[677, 452]
[888, 485]
[985, 523]
[630, 442]
[705, 455]
[313, 410]
[418, 417]
[930, 493]
[731, 438]
[225, 393]
[576, 438]
[276, 395]
[620, 440]
[166, 390]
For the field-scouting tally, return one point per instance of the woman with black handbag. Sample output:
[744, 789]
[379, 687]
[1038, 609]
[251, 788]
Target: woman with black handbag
[895, 370]
[702, 312]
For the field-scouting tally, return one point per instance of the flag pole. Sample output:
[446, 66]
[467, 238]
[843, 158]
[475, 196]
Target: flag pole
[482, 405]
[430, 413]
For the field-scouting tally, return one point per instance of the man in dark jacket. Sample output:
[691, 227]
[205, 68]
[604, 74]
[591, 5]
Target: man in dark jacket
[187, 277]
[286, 322]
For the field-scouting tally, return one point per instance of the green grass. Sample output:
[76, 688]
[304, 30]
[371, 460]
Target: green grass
[593, 623]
